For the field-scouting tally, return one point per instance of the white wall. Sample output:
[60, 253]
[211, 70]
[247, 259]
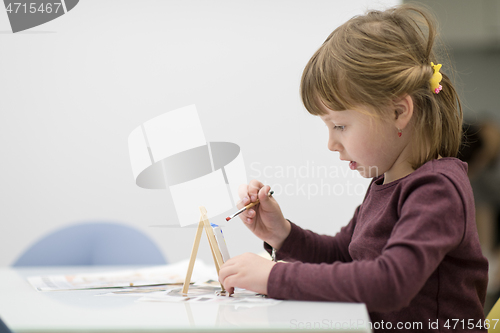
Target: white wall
[73, 89]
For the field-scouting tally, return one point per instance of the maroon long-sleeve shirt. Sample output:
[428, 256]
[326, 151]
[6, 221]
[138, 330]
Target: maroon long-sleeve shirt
[411, 253]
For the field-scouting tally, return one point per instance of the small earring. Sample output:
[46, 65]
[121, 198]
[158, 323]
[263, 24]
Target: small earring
[400, 132]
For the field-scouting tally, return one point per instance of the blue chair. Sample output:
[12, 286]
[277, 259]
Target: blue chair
[93, 244]
[4, 328]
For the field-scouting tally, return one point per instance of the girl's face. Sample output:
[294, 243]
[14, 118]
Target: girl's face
[371, 145]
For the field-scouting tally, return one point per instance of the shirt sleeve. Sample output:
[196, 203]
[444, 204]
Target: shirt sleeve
[431, 223]
[307, 246]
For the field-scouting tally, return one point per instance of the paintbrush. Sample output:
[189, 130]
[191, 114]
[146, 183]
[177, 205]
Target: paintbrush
[247, 206]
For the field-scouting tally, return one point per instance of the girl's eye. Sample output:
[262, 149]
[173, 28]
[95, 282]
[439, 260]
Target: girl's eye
[340, 128]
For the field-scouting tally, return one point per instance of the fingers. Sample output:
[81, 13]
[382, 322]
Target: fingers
[229, 262]
[226, 276]
[249, 193]
[226, 269]
[250, 214]
[229, 285]
[264, 193]
[253, 189]
[243, 194]
[265, 201]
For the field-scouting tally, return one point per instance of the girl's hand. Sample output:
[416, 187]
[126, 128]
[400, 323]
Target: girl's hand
[265, 219]
[248, 271]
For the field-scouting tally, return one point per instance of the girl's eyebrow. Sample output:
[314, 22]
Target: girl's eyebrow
[340, 116]
[336, 120]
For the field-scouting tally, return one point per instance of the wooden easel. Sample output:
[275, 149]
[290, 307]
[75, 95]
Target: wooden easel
[204, 224]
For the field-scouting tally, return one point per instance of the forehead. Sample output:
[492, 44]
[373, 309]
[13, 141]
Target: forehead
[337, 116]
[333, 115]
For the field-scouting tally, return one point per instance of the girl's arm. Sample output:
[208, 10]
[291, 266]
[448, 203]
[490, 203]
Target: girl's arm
[307, 246]
[433, 223]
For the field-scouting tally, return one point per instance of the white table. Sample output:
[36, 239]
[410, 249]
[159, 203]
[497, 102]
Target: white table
[25, 310]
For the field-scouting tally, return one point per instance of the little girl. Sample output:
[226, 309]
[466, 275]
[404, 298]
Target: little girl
[411, 251]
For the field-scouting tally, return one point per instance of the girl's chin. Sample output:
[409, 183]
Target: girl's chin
[367, 172]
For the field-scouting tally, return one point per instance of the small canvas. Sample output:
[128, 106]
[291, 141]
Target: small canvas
[221, 242]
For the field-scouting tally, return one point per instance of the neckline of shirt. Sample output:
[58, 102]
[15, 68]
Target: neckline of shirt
[378, 187]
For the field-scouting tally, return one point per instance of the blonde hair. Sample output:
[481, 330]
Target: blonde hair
[374, 59]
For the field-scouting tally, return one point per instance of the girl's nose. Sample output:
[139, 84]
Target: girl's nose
[335, 145]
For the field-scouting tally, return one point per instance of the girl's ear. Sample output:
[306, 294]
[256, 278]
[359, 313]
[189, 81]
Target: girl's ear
[403, 111]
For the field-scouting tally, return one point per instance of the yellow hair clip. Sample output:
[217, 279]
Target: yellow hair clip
[436, 78]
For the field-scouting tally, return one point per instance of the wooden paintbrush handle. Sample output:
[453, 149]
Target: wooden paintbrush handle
[257, 201]
[250, 205]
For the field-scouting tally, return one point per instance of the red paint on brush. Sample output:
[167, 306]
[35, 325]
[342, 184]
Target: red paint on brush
[228, 218]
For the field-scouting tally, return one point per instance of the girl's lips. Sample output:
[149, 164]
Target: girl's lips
[353, 165]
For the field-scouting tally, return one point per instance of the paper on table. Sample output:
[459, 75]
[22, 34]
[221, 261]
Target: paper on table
[204, 294]
[198, 287]
[138, 291]
[158, 275]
